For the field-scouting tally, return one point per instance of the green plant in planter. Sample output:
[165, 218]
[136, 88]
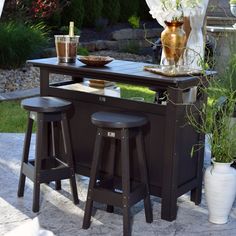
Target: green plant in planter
[216, 120]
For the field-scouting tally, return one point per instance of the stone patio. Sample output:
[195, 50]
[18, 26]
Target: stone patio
[59, 215]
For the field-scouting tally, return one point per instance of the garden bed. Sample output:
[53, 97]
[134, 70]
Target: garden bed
[28, 76]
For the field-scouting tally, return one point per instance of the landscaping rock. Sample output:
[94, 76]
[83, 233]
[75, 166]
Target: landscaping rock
[100, 45]
[136, 34]
[111, 45]
[127, 44]
[28, 77]
[91, 46]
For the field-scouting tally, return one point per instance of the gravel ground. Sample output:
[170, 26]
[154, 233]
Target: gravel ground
[28, 76]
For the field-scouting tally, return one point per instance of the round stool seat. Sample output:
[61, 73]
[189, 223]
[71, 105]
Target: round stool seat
[46, 104]
[117, 120]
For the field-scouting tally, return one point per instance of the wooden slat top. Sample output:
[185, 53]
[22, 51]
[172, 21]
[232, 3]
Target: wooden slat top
[119, 71]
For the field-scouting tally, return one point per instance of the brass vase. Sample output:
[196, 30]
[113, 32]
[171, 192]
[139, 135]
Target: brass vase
[173, 40]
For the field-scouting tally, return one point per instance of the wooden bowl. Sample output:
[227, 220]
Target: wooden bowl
[95, 60]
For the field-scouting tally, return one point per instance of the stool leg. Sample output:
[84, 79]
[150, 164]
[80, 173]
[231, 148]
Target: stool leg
[144, 176]
[110, 208]
[41, 129]
[93, 178]
[25, 157]
[125, 181]
[55, 151]
[68, 152]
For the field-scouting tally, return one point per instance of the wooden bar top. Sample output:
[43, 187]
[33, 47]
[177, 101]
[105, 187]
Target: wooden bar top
[120, 71]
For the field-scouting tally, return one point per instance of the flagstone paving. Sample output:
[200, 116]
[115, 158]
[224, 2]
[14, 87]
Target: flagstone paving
[59, 215]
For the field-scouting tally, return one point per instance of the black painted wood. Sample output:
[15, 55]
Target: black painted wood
[117, 120]
[46, 166]
[123, 71]
[167, 138]
[144, 176]
[25, 157]
[55, 148]
[93, 178]
[46, 104]
[118, 127]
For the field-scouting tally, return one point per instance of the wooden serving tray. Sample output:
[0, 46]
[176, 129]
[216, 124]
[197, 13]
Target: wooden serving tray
[173, 71]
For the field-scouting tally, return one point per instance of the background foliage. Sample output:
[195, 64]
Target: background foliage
[75, 10]
[20, 42]
[111, 11]
[82, 12]
[93, 11]
[27, 24]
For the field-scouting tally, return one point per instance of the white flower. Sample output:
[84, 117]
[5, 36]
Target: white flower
[177, 9]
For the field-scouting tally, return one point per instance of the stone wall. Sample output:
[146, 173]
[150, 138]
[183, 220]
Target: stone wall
[124, 38]
[219, 8]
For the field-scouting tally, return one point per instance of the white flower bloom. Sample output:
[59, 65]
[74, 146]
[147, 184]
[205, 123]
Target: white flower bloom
[177, 9]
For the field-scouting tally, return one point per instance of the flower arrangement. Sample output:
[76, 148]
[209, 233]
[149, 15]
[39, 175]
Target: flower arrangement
[45, 8]
[176, 10]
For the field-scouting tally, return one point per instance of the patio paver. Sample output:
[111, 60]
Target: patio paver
[60, 215]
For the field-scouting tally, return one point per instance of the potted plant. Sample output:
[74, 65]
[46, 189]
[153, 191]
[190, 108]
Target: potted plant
[216, 123]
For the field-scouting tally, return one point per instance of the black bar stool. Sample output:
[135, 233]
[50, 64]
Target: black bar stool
[118, 127]
[47, 166]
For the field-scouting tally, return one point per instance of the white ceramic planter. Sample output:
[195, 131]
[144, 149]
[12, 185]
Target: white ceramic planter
[220, 190]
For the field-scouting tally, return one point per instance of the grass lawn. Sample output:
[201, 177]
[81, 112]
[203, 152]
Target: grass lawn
[129, 91]
[13, 117]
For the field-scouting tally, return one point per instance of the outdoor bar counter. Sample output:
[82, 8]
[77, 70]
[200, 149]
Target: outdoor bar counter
[168, 138]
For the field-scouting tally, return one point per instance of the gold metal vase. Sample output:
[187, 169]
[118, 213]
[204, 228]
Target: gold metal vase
[173, 39]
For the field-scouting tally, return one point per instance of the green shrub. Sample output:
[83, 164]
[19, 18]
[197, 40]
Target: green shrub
[20, 42]
[130, 47]
[111, 10]
[54, 20]
[82, 51]
[93, 11]
[144, 11]
[128, 8]
[15, 10]
[134, 21]
[101, 24]
[74, 12]
[65, 30]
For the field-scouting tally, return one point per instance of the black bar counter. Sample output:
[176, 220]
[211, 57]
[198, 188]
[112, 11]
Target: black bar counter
[168, 138]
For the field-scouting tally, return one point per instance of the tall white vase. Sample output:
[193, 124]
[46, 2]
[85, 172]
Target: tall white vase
[220, 190]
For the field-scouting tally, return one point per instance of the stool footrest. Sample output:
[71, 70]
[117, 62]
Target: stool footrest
[59, 172]
[115, 198]
[55, 174]
[112, 198]
[49, 163]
